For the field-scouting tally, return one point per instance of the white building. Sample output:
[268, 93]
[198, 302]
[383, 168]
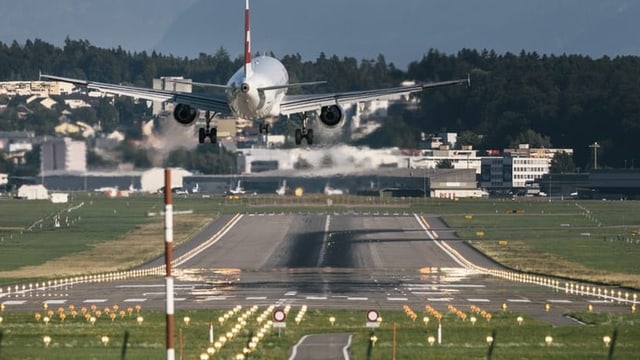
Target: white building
[63, 154]
[517, 167]
[33, 192]
[466, 158]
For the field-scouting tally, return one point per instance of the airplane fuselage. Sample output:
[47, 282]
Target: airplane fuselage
[244, 94]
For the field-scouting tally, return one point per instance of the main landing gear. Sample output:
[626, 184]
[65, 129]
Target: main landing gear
[208, 131]
[304, 133]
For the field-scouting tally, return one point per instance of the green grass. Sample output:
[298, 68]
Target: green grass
[92, 220]
[78, 339]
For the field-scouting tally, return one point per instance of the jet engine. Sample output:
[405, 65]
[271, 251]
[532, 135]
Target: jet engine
[184, 114]
[331, 115]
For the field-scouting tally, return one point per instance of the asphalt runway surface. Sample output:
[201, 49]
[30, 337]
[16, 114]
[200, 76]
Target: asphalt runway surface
[355, 261]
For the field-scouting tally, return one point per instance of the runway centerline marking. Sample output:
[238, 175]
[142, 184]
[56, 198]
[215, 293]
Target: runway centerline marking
[135, 300]
[397, 299]
[519, 300]
[325, 240]
[88, 301]
[479, 300]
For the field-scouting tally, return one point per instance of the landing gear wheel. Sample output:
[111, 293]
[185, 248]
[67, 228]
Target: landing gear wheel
[298, 136]
[213, 135]
[201, 135]
[309, 137]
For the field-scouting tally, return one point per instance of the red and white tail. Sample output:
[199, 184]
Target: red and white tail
[247, 42]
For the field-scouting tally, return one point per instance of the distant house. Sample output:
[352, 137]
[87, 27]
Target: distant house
[33, 192]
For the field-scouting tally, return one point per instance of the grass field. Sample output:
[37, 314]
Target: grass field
[76, 338]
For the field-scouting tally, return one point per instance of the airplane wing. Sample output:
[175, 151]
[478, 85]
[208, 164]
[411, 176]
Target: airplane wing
[216, 103]
[292, 104]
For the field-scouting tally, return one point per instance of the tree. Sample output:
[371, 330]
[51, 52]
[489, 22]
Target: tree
[562, 163]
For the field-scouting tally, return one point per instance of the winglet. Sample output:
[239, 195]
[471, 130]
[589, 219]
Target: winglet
[247, 42]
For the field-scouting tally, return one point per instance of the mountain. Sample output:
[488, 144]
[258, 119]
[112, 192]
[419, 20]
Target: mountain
[400, 30]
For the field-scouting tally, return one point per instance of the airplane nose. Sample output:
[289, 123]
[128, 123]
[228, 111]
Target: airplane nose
[245, 88]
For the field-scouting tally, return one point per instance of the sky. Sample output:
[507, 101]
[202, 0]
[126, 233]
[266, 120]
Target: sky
[402, 30]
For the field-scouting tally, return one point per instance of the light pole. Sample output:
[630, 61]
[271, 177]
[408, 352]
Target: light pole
[595, 146]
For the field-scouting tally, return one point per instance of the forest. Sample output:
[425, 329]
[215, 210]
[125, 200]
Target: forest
[561, 101]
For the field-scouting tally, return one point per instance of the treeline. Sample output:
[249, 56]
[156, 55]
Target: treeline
[567, 101]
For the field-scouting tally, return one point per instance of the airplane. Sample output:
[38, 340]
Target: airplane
[239, 190]
[256, 91]
[282, 190]
[328, 190]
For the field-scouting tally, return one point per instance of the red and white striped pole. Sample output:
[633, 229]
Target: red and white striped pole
[168, 256]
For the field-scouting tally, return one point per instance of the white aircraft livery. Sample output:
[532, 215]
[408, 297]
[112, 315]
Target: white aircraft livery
[257, 91]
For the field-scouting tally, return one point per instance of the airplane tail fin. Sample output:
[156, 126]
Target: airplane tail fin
[247, 42]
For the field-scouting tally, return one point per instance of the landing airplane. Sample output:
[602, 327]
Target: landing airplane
[256, 91]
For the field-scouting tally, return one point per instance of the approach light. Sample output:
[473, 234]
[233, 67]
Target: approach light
[431, 340]
[489, 339]
[105, 340]
[332, 320]
[519, 319]
[47, 340]
[548, 340]
[606, 340]
[186, 320]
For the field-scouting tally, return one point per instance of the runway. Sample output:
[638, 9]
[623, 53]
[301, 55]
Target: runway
[339, 260]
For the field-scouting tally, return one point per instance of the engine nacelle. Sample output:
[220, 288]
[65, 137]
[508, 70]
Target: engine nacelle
[331, 115]
[184, 114]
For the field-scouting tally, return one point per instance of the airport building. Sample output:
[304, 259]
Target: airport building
[516, 168]
[63, 154]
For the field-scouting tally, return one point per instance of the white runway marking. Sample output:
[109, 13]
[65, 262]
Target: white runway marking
[256, 298]
[519, 300]
[14, 302]
[55, 302]
[135, 300]
[88, 301]
[426, 292]
[291, 293]
[325, 239]
[357, 298]
[439, 299]
[397, 299]
[479, 300]
[316, 298]
[559, 301]
[215, 298]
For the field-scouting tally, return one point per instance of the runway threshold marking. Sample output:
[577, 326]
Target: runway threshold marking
[55, 302]
[439, 299]
[14, 302]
